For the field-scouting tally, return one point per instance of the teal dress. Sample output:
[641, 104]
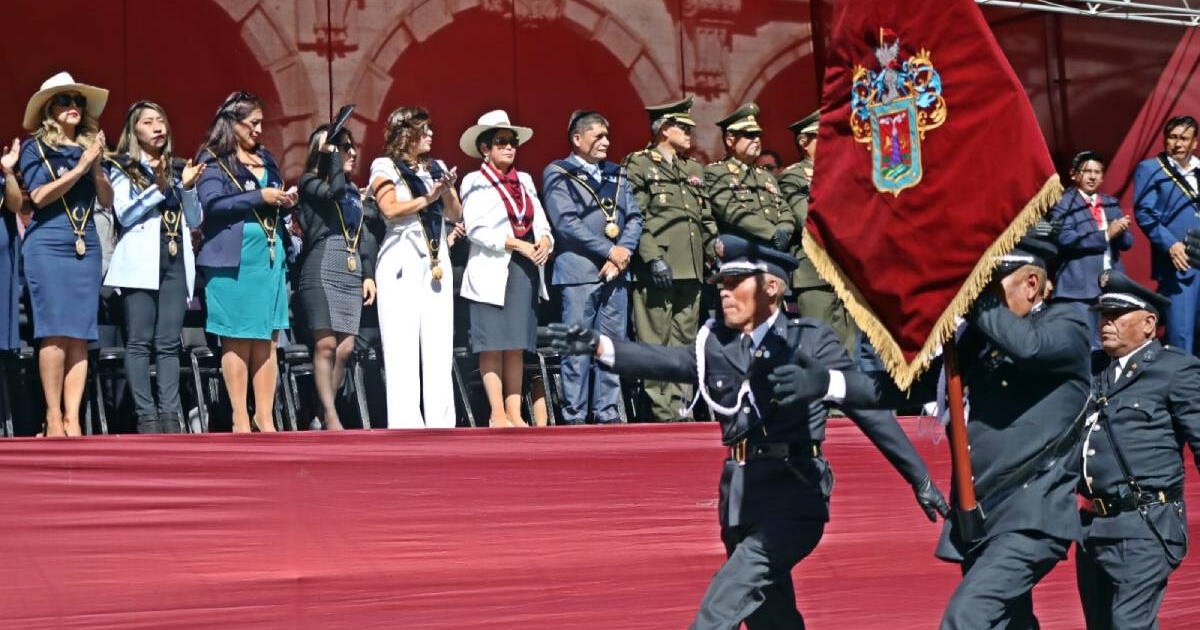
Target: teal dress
[250, 301]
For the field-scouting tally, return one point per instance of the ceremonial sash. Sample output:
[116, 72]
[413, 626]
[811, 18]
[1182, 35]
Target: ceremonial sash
[517, 213]
[431, 216]
[1165, 163]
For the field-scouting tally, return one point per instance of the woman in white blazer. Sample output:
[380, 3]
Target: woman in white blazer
[503, 216]
[155, 200]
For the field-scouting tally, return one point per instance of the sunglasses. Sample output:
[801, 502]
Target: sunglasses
[749, 135]
[65, 100]
[506, 141]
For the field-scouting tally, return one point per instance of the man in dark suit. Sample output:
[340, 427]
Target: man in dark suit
[775, 486]
[1025, 366]
[597, 226]
[1149, 405]
[1166, 204]
[1091, 236]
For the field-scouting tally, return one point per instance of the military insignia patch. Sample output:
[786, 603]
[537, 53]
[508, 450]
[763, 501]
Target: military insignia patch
[733, 168]
[892, 108]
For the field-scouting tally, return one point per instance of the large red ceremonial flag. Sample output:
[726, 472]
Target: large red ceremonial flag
[930, 164]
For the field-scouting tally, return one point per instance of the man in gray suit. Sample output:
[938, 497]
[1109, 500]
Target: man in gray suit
[1135, 529]
[597, 226]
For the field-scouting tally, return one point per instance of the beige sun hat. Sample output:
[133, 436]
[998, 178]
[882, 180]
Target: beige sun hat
[495, 119]
[62, 82]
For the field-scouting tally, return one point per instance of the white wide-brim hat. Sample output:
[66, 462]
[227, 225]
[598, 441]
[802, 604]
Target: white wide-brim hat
[62, 82]
[495, 119]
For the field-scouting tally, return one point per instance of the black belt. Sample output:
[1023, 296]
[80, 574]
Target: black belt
[1103, 506]
[742, 452]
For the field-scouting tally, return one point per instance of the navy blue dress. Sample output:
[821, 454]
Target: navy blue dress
[64, 287]
[10, 282]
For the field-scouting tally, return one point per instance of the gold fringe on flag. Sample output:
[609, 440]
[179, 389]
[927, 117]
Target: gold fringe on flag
[903, 372]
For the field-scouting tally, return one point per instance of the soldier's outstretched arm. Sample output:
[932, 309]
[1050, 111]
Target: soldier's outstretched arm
[627, 358]
[879, 425]
[1048, 344]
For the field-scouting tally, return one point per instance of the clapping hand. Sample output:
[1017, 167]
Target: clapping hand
[8, 161]
[191, 173]
[91, 155]
[446, 183]
[568, 339]
[459, 232]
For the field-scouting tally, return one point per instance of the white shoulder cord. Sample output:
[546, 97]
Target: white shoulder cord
[744, 392]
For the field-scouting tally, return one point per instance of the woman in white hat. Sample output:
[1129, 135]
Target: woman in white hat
[61, 168]
[503, 217]
[415, 283]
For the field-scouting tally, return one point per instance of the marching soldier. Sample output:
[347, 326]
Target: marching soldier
[1025, 367]
[775, 485]
[745, 199]
[1135, 529]
[814, 297]
[677, 231]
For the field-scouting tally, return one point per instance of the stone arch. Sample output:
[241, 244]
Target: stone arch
[769, 63]
[372, 81]
[273, 45]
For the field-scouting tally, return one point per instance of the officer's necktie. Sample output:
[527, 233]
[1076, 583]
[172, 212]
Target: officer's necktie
[744, 348]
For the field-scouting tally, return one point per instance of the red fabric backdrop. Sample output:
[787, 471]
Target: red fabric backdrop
[487, 529]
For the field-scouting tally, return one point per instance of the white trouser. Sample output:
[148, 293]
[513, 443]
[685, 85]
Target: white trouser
[416, 325]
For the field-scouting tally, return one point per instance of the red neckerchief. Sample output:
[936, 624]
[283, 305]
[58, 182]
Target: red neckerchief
[510, 189]
[1095, 207]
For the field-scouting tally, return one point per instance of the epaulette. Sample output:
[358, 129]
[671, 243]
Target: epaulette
[654, 156]
[791, 167]
[733, 167]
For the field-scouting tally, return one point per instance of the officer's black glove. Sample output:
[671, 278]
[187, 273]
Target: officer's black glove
[799, 382]
[1192, 243]
[568, 339]
[930, 499]
[660, 273]
[782, 239]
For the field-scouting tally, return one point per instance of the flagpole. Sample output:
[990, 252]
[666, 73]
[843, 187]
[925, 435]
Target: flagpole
[969, 514]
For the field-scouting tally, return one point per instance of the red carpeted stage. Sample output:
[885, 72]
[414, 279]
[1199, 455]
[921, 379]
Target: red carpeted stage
[573, 528]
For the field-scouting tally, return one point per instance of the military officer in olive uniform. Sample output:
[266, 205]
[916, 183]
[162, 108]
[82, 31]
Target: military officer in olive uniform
[1026, 370]
[677, 232]
[1135, 528]
[744, 198]
[775, 484]
[814, 297]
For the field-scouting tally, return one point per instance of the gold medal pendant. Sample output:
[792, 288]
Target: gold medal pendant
[351, 263]
[611, 230]
[437, 272]
[172, 248]
[80, 246]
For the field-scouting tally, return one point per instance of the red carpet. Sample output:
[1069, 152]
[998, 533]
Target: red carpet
[567, 528]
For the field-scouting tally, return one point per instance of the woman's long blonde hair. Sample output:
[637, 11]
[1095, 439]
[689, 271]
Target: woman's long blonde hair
[52, 133]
